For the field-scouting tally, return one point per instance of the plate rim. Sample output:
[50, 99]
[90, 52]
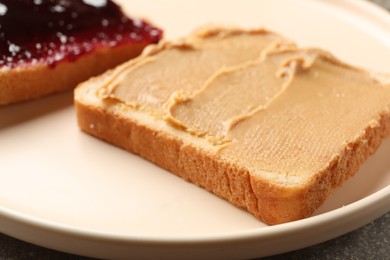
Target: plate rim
[382, 195]
[253, 243]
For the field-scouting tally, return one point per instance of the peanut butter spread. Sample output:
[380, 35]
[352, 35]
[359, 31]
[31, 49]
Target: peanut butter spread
[268, 105]
[153, 81]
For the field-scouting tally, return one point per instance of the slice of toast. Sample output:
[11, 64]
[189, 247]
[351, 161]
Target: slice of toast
[43, 51]
[245, 114]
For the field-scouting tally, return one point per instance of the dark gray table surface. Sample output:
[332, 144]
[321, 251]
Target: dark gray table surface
[369, 242]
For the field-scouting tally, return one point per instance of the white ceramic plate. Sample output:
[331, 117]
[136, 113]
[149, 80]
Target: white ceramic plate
[65, 190]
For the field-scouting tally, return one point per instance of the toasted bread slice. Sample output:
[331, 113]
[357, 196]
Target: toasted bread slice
[52, 46]
[244, 114]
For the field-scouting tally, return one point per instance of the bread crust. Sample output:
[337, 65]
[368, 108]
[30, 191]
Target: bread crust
[271, 202]
[33, 81]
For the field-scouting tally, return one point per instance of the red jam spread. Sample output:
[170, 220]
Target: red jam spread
[54, 31]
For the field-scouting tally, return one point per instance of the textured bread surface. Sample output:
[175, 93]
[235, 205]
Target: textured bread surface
[33, 81]
[271, 196]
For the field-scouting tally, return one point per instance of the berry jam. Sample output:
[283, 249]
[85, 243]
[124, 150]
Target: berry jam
[54, 31]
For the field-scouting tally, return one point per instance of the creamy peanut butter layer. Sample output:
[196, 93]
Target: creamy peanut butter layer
[277, 110]
[325, 106]
[290, 113]
[238, 90]
[173, 71]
